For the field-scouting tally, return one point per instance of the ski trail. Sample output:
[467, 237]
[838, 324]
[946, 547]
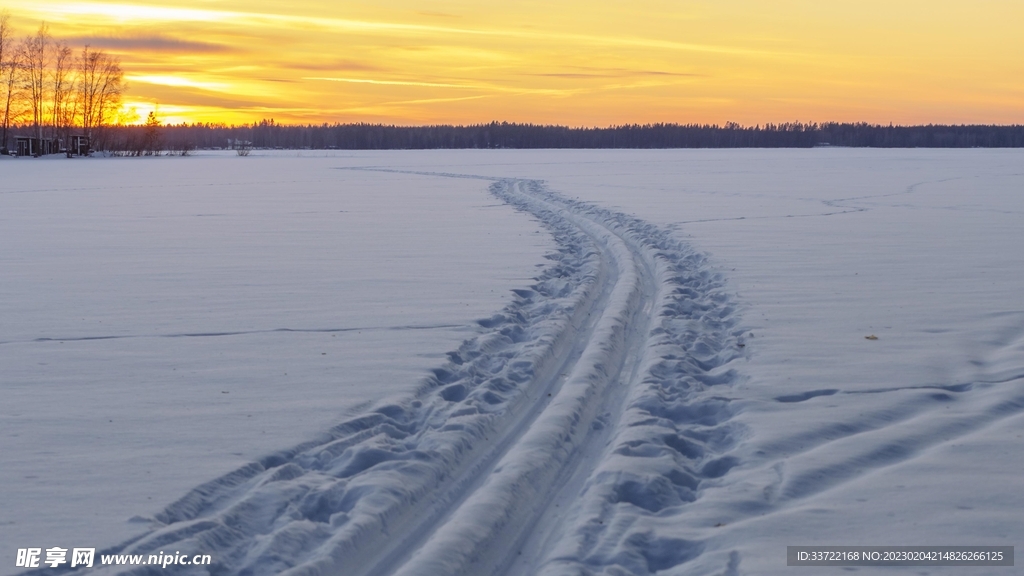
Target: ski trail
[672, 434]
[481, 534]
[594, 395]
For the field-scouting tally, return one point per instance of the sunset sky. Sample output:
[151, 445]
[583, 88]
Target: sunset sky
[574, 62]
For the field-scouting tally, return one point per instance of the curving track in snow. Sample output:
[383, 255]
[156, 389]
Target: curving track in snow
[544, 445]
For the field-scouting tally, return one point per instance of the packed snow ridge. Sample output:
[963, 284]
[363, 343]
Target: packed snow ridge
[551, 443]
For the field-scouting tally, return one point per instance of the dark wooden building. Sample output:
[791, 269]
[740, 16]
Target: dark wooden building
[78, 146]
[31, 146]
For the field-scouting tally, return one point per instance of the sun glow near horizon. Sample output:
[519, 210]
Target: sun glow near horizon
[567, 62]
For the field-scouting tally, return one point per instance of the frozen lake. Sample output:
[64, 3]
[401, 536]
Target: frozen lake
[166, 321]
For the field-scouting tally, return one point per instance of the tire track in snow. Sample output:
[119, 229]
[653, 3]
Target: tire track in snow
[595, 388]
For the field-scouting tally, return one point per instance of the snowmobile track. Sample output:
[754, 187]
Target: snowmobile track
[590, 400]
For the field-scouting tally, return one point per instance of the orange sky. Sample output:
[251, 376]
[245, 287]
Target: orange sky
[581, 63]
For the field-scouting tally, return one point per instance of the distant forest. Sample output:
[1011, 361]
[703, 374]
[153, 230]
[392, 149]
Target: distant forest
[270, 135]
[153, 138]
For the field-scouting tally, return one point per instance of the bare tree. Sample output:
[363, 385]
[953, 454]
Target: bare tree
[62, 107]
[100, 88]
[10, 67]
[36, 61]
[88, 87]
[44, 84]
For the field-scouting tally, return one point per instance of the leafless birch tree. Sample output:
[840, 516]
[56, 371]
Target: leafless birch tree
[45, 85]
[10, 69]
[36, 63]
[62, 85]
[100, 88]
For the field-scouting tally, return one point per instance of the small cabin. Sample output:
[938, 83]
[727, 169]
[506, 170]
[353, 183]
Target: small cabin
[78, 146]
[30, 146]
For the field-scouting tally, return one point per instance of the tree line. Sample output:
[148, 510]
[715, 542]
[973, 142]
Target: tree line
[50, 91]
[270, 135]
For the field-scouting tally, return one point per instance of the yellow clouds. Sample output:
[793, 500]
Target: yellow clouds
[123, 14]
[583, 63]
[389, 82]
[177, 81]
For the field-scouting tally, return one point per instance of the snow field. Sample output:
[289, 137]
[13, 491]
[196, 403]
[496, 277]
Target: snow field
[645, 408]
[909, 439]
[457, 478]
[169, 320]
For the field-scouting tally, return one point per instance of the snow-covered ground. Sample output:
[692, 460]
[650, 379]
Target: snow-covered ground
[166, 321]
[688, 386]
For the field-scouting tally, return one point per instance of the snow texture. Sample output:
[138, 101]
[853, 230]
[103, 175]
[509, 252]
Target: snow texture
[166, 321]
[644, 408]
[451, 479]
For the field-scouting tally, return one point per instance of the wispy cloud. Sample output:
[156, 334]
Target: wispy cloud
[391, 82]
[150, 44]
[435, 100]
[493, 88]
[124, 13]
[177, 81]
[620, 73]
[174, 96]
[437, 14]
[337, 65]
